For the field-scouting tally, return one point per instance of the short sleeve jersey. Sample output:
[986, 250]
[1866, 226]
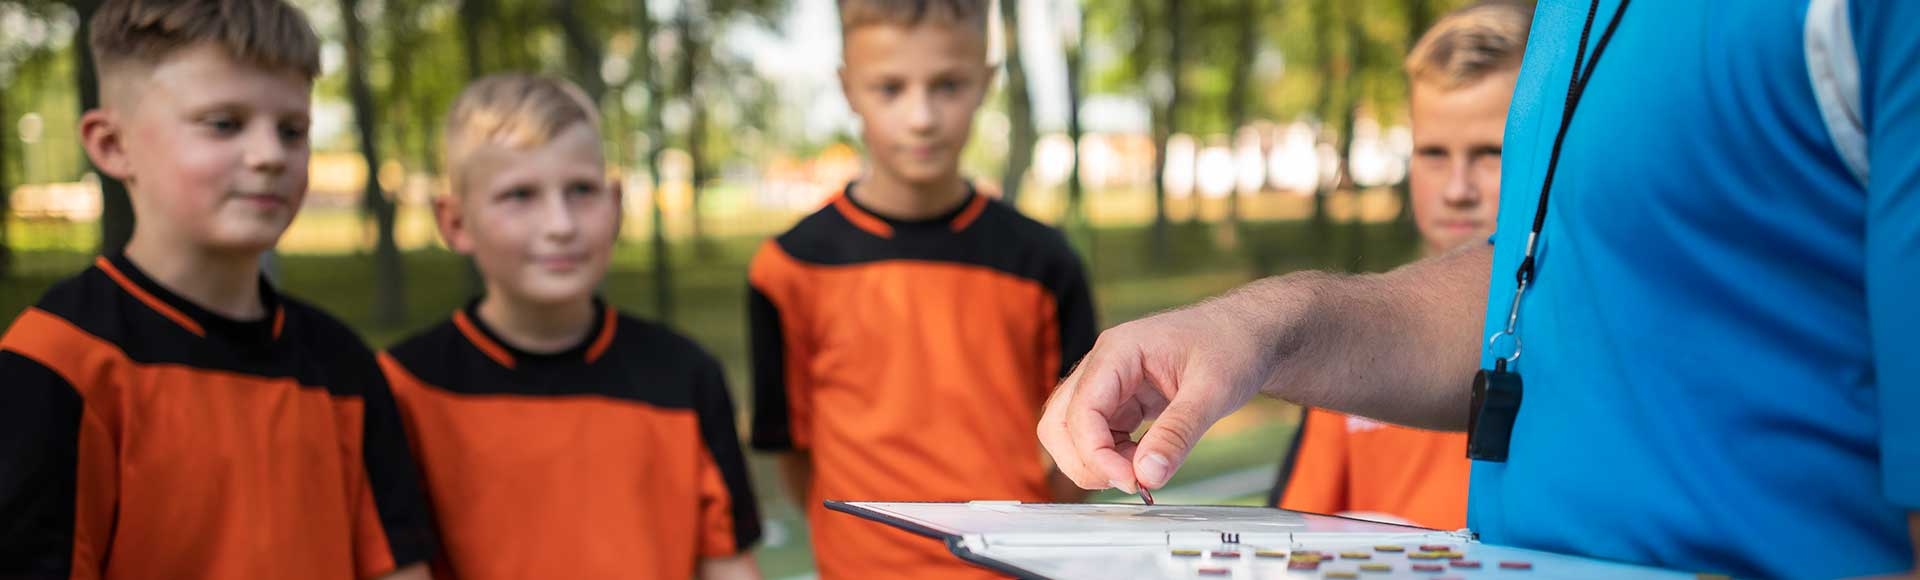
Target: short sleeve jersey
[147, 437]
[617, 458]
[911, 359]
[1343, 463]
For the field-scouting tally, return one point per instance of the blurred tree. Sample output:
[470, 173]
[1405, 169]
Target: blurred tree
[389, 303]
[1075, 46]
[648, 75]
[474, 19]
[1022, 134]
[6, 183]
[694, 55]
[1239, 98]
[583, 48]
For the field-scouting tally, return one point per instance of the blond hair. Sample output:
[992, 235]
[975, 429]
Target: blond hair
[1471, 44]
[266, 33]
[517, 111]
[969, 13]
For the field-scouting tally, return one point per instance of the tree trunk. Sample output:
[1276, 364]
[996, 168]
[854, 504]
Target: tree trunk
[648, 75]
[389, 301]
[1324, 105]
[692, 50]
[1239, 97]
[583, 50]
[1356, 59]
[1165, 125]
[6, 192]
[473, 18]
[1075, 215]
[116, 209]
[1022, 135]
[1420, 18]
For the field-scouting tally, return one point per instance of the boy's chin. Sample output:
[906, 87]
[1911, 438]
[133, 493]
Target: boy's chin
[552, 292]
[926, 175]
[253, 243]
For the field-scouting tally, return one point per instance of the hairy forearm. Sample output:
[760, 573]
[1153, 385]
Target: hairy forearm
[1400, 346]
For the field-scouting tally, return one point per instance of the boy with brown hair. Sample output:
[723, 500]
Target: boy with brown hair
[905, 336]
[1462, 73]
[559, 437]
[167, 413]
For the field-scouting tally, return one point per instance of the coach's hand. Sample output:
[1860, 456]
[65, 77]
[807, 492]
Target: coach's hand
[1182, 369]
[1393, 346]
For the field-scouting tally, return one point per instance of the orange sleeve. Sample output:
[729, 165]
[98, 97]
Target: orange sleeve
[1318, 479]
[717, 538]
[782, 401]
[392, 523]
[729, 515]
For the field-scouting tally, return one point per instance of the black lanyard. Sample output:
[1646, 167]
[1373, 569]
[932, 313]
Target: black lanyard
[1497, 393]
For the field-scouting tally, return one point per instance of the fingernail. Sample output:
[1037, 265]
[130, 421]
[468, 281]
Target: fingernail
[1154, 470]
[1119, 485]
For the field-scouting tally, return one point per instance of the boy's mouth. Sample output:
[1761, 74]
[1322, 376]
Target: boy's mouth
[262, 199]
[560, 262]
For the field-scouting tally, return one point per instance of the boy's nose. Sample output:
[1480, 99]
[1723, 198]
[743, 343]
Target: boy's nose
[1461, 189]
[921, 116]
[267, 153]
[559, 221]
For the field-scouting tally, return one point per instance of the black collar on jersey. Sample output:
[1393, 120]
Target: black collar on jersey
[589, 350]
[199, 321]
[955, 220]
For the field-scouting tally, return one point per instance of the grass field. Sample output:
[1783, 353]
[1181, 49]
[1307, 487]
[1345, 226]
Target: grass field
[709, 297]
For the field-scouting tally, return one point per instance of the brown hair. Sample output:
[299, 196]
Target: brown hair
[267, 33]
[514, 110]
[858, 13]
[1471, 44]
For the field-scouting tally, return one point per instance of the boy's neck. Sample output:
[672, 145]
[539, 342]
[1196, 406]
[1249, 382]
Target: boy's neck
[227, 285]
[534, 327]
[897, 199]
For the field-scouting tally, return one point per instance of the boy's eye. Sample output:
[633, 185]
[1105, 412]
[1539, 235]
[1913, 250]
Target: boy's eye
[293, 132]
[517, 194]
[222, 125]
[946, 86]
[582, 190]
[892, 89]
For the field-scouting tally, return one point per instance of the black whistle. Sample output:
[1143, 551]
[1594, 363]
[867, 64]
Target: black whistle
[1496, 404]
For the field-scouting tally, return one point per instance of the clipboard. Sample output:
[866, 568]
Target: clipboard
[1180, 542]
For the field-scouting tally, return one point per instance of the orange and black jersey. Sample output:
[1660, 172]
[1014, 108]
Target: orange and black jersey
[617, 458]
[911, 359]
[146, 437]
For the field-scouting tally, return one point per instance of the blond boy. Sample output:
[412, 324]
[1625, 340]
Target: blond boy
[559, 437]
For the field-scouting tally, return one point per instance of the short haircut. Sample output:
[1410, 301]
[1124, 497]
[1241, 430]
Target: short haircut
[270, 34]
[969, 13]
[1471, 44]
[513, 110]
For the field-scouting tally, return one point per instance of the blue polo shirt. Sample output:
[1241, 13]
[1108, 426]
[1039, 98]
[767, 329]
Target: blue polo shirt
[1722, 352]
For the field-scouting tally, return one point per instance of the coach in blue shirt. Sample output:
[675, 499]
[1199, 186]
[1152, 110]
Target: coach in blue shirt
[1713, 364]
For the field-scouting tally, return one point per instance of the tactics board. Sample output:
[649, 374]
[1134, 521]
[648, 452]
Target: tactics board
[1101, 541]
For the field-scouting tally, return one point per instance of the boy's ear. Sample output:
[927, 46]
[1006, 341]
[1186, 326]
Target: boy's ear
[100, 135]
[453, 226]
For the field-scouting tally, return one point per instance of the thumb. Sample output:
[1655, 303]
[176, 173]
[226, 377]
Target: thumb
[1168, 442]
